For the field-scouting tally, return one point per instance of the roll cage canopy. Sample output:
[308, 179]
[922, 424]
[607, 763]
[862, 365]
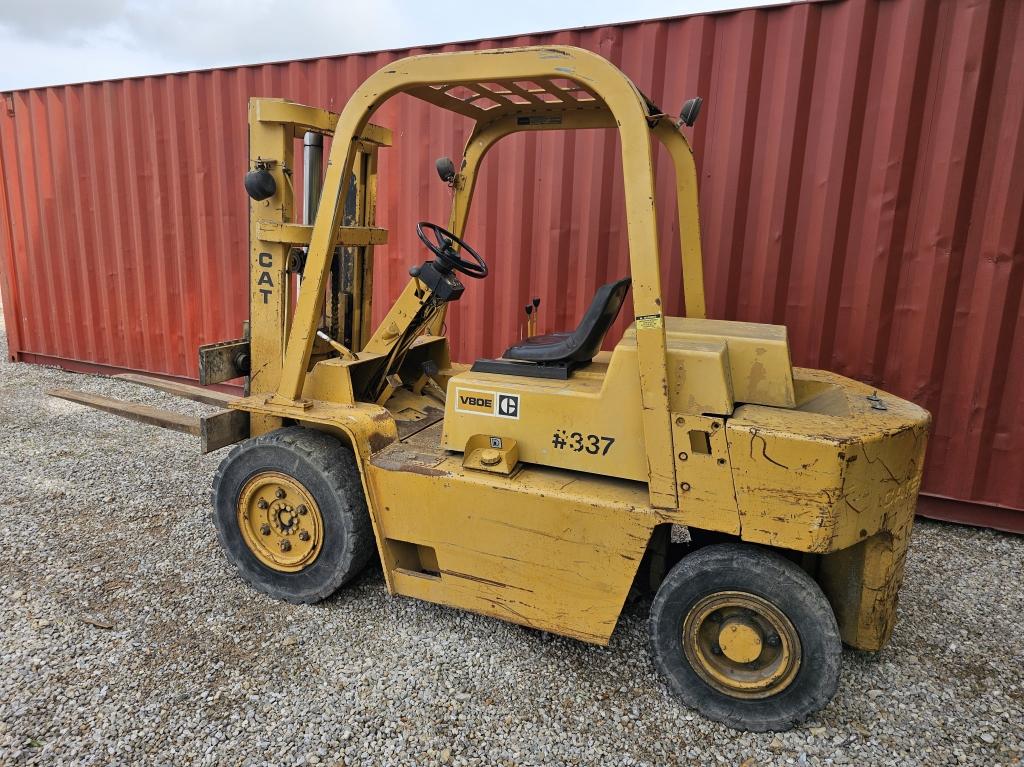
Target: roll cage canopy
[507, 91]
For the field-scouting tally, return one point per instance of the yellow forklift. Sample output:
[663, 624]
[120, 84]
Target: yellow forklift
[767, 507]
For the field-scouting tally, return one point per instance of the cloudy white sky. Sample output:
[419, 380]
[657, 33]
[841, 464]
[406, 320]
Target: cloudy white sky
[47, 42]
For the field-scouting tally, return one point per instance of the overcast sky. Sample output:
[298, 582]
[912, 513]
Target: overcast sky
[47, 42]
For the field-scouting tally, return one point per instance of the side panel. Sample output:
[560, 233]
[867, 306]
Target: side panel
[707, 496]
[787, 486]
[590, 422]
[539, 549]
[831, 472]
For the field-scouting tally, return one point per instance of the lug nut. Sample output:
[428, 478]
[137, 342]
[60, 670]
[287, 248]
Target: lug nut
[262, 504]
[265, 529]
[303, 535]
[716, 650]
[773, 640]
[286, 546]
[280, 492]
[302, 509]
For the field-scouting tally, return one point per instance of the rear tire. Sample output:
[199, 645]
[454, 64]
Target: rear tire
[291, 515]
[746, 637]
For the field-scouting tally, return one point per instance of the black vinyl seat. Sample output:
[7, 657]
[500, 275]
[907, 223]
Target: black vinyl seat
[555, 355]
[584, 342]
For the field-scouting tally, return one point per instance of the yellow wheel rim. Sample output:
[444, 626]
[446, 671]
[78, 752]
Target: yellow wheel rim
[280, 522]
[741, 645]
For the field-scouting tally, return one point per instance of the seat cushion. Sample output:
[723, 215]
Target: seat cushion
[540, 347]
[584, 342]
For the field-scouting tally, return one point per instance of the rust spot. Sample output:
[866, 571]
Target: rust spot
[758, 374]
[378, 441]
[426, 471]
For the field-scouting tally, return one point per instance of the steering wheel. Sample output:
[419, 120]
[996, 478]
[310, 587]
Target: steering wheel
[441, 246]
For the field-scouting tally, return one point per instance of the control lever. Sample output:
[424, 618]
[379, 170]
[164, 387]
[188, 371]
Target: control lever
[427, 382]
[344, 351]
[414, 272]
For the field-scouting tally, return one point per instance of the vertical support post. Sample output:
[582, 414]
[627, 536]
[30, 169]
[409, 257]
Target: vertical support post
[641, 221]
[343, 273]
[689, 219]
[270, 143]
[312, 174]
[363, 214]
[312, 183]
[370, 220]
[358, 255]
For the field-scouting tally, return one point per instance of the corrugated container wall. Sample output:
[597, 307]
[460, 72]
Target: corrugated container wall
[861, 176]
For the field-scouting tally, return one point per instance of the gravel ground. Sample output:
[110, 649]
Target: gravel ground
[126, 638]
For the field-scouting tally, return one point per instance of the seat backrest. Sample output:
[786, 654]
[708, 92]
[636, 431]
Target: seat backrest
[589, 334]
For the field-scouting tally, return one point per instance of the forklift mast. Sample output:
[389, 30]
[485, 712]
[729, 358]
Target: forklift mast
[279, 248]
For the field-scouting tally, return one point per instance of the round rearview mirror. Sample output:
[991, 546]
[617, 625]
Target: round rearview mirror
[445, 169]
[260, 184]
[690, 111]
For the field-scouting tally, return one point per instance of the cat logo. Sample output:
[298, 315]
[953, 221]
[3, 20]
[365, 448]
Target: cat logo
[487, 403]
[508, 406]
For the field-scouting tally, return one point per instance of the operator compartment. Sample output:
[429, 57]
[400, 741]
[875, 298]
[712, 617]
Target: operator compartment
[555, 400]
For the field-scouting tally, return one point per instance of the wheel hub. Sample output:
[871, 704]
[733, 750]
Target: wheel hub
[741, 644]
[285, 519]
[280, 521]
[740, 640]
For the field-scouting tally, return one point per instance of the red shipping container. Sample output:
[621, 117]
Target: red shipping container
[861, 175]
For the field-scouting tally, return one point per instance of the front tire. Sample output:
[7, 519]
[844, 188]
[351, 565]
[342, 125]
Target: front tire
[746, 637]
[291, 515]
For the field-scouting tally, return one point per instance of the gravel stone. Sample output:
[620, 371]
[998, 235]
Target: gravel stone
[126, 638]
